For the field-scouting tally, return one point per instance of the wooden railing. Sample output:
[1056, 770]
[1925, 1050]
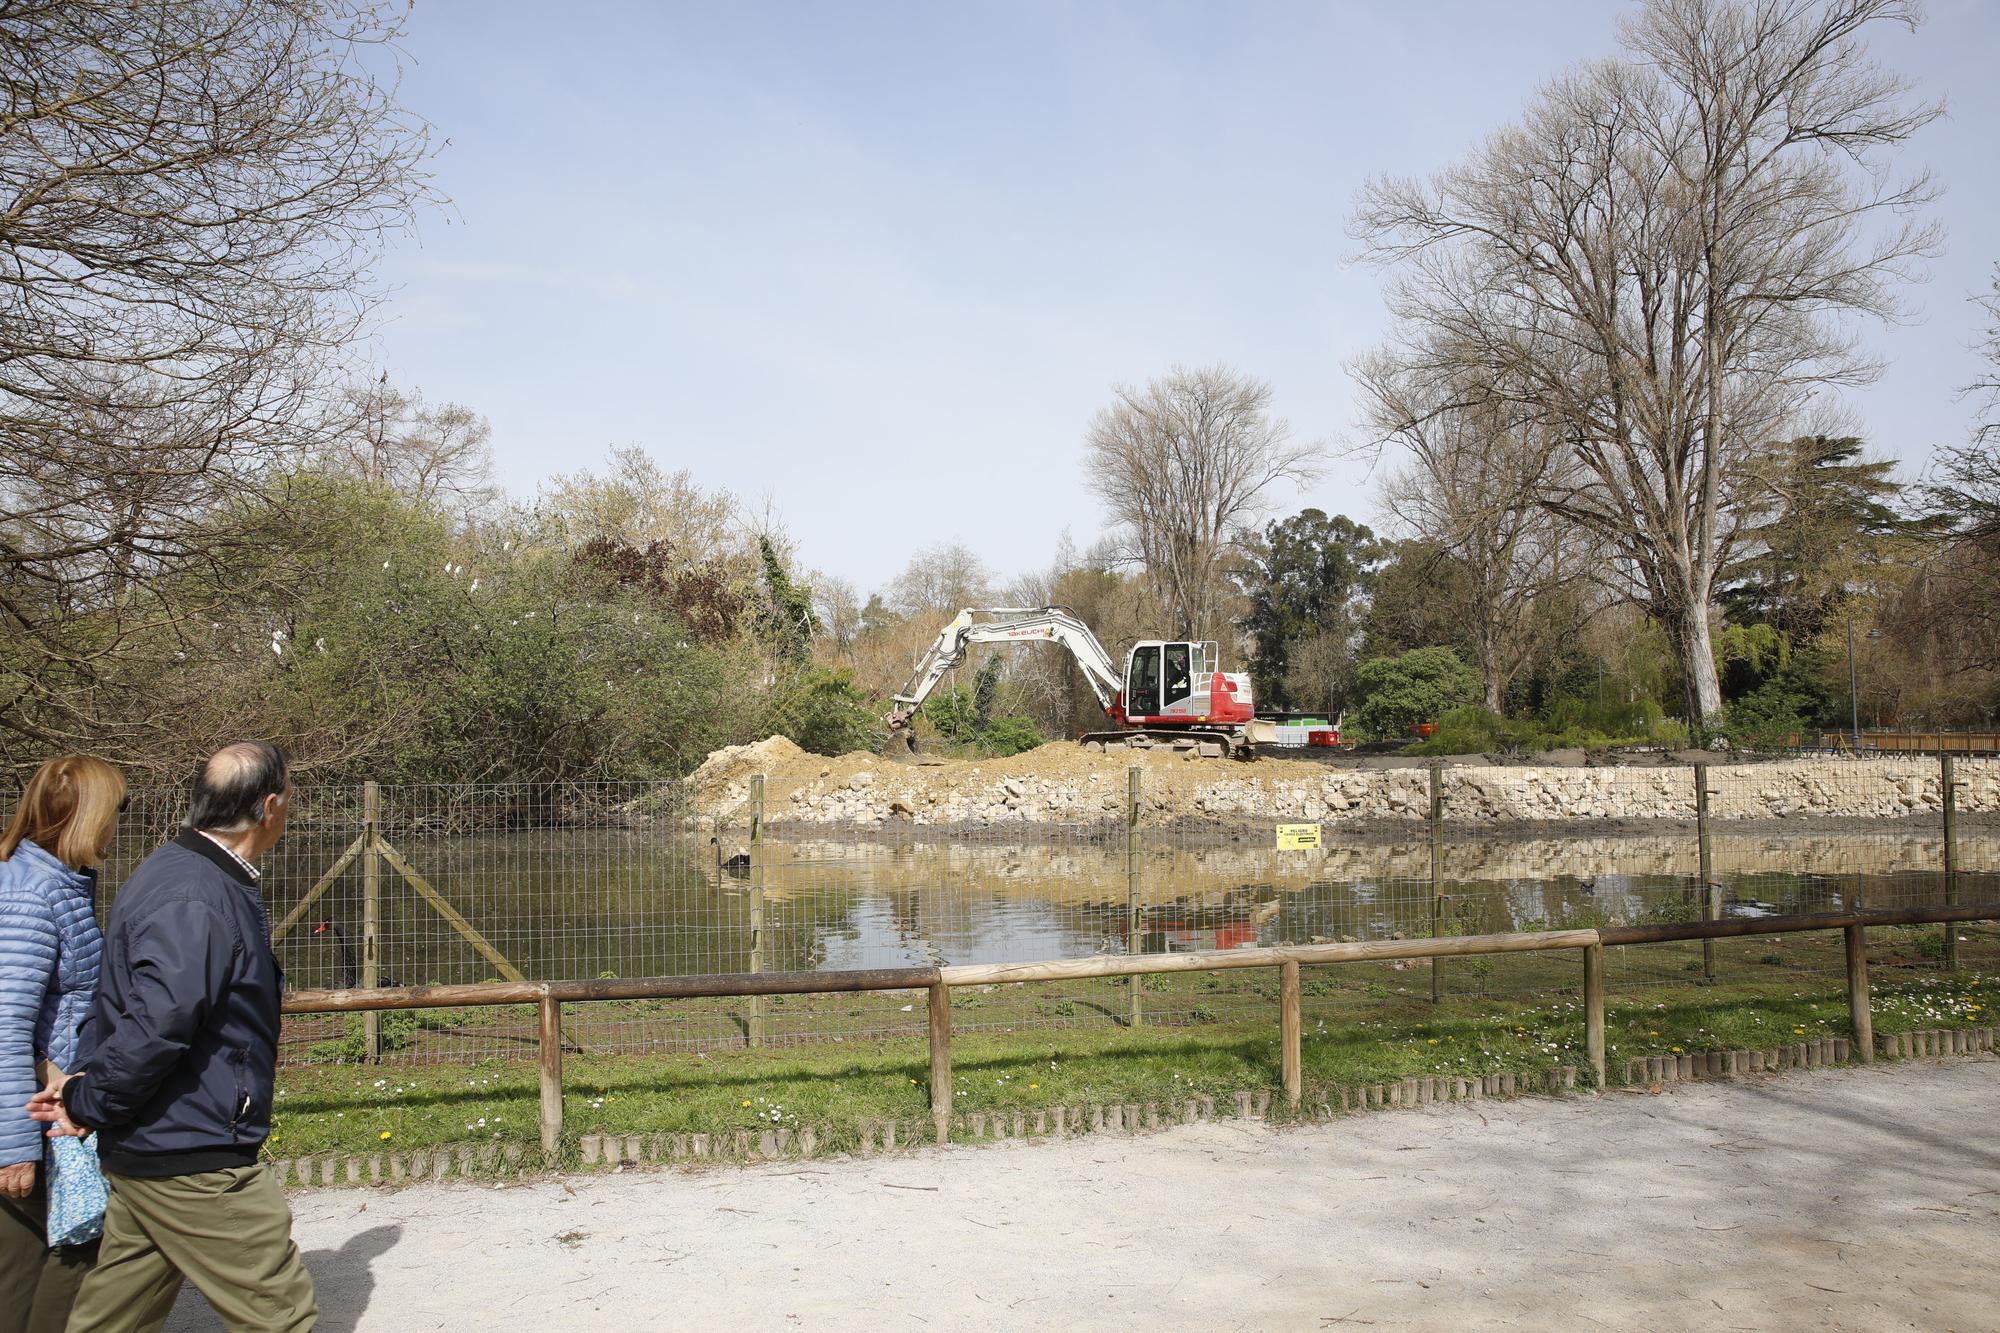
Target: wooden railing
[550, 996]
[1897, 742]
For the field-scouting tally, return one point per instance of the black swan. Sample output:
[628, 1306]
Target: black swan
[350, 966]
[736, 864]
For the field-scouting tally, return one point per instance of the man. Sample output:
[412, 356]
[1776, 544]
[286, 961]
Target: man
[175, 1070]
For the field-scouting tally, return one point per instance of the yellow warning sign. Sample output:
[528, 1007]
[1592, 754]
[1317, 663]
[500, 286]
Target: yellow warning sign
[1298, 837]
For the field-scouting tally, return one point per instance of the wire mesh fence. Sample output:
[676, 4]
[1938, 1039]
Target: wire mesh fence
[463, 883]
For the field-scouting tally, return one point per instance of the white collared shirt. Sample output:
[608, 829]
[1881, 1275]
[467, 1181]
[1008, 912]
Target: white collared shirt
[248, 869]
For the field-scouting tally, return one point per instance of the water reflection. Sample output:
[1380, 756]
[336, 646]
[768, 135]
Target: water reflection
[635, 903]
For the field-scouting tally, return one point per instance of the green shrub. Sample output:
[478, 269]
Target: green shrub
[1766, 718]
[1572, 724]
[1418, 686]
[824, 711]
[1009, 735]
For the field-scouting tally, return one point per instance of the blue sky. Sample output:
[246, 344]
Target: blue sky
[876, 266]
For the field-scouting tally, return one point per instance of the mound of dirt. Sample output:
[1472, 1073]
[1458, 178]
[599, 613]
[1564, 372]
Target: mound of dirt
[735, 763]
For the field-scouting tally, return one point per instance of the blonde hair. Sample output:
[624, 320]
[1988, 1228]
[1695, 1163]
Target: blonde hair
[70, 810]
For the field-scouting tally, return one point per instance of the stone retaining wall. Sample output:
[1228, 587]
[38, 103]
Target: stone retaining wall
[1278, 791]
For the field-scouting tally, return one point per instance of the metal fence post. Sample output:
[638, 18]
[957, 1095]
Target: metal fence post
[1437, 869]
[1134, 888]
[371, 914]
[1948, 794]
[1711, 892]
[755, 1034]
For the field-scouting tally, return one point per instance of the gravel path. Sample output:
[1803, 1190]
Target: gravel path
[1864, 1199]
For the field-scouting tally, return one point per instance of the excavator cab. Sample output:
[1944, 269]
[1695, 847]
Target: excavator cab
[1175, 682]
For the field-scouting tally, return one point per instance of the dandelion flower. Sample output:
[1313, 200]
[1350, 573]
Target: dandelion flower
[384, 1134]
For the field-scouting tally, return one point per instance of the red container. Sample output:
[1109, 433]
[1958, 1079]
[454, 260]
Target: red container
[1323, 736]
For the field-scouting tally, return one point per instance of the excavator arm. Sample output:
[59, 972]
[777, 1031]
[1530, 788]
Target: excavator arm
[1046, 624]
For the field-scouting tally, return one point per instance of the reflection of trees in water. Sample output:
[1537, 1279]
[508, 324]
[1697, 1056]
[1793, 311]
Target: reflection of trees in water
[580, 905]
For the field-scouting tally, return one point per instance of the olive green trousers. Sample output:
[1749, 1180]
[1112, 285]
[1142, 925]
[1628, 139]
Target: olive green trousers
[227, 1232]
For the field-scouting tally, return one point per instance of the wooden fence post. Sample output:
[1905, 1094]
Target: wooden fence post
[1134, 887]
[1289, 1037]
[1948, 794]
[940, 1014]
[1593, 1008]
[755, 1035]
[1437, 868]
[1711, 893]
[371, 914]
[549, 1033]
[1857, 993]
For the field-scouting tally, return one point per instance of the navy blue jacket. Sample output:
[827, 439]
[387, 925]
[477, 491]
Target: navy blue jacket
[180, 1047]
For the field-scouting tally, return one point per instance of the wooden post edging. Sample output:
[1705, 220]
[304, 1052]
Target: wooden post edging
[1857, 993]
[1134, 889]
[940, 1035]
[549, 1034]
[1593, 1009]
[1289, 1038]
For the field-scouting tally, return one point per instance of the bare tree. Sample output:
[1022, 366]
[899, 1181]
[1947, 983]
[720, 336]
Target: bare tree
[636, 502]
[439, 455]
[192, 193]
[1663, 259]
[1952, 605]
[1478, 467]
[837, 607]
[1184, 466]
[939, 581]
[1986, 387]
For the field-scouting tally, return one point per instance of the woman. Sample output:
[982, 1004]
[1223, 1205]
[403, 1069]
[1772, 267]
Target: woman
[49, 945]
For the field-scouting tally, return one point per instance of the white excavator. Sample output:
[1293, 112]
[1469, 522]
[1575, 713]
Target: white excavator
[1171, 693]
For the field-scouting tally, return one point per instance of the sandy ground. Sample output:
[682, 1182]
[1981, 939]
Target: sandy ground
[1852, 1199]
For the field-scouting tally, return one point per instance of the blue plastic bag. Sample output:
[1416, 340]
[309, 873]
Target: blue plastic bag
[76, 1192]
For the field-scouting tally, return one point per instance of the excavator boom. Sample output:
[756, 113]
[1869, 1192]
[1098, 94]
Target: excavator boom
[1008, 624]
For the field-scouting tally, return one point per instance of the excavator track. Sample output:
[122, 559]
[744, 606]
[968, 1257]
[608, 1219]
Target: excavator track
[1215, 744]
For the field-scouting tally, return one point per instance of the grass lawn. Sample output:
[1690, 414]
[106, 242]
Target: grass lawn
[1354, 1036]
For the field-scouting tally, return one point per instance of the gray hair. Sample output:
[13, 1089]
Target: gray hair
[229, 791]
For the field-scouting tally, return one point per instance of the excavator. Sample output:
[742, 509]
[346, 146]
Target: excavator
[1172, 692]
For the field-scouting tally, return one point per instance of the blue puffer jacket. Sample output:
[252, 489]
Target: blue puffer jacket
[49, 949]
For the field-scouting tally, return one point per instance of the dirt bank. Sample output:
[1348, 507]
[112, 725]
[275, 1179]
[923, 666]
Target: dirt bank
[1838, 1200]
[1064, 784]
